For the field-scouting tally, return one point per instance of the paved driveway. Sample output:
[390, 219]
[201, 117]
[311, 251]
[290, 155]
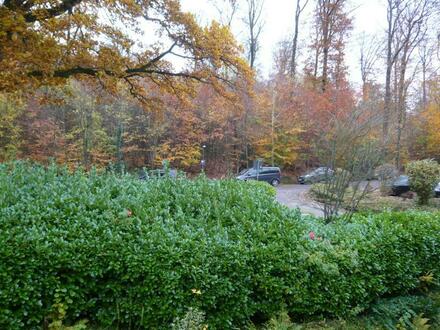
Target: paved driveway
[295, 196]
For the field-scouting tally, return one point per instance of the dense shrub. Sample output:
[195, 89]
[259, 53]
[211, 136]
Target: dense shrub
[119, 251]
[424, 176]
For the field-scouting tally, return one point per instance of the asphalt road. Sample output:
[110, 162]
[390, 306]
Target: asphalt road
[295, 196]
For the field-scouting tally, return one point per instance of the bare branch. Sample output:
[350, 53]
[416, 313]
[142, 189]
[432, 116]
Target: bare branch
[255, 25]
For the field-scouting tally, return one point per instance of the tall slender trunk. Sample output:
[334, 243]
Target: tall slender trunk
[87, 140]
[324, 69]
[119, 144]
[389, 67]
[326, 48]
[252, 51]
[387, 105]
[424, 97]
[315, 64]
[294, 46]
[298, 11]
[401, 105]
[273, 128]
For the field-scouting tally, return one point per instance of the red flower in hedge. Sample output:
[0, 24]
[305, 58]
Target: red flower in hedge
[129, 213]
[312, 235]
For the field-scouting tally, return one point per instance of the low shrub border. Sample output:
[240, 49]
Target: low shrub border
[119, 251]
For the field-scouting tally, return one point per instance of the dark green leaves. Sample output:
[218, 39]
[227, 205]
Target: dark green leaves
[119, 251]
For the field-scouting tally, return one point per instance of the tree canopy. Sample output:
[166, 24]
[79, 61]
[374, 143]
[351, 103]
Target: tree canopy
[45, 42]
[135, 82]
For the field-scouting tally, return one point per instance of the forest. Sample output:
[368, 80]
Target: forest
[91, 92]
[132, 83]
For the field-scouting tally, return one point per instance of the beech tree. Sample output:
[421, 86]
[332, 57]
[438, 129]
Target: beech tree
[45, 42]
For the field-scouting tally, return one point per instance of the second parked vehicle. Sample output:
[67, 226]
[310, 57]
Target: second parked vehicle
[402, 185]
[270, 175]
[317, 175]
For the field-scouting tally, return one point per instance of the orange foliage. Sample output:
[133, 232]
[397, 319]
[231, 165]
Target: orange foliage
[45, 42]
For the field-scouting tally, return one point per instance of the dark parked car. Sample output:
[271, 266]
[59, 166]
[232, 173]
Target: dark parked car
[270, 175]
[317, 175]
[401, 185]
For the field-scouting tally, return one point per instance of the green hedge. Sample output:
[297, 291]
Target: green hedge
[123, 252]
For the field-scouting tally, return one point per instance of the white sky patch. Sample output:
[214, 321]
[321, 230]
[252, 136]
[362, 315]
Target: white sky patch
[369, 17]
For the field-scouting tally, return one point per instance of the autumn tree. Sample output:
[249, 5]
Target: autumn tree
[44, 130]
[331, 27]
[87, 142]
[11, 108]
[411, 30]
[143, 130]
[429, 125]
[394, 11]
[46, 42]
[226, 132]
[80, 84]
[432, 116]
[181, 143]
[70, 124]
[278, 124]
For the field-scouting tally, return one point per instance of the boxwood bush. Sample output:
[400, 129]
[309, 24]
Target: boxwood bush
[423, 176]
[122, 252]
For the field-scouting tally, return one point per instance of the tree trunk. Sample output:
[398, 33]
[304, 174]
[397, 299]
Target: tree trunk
[325, 61]
[389, 66]
[273, 128]
[293, 63]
